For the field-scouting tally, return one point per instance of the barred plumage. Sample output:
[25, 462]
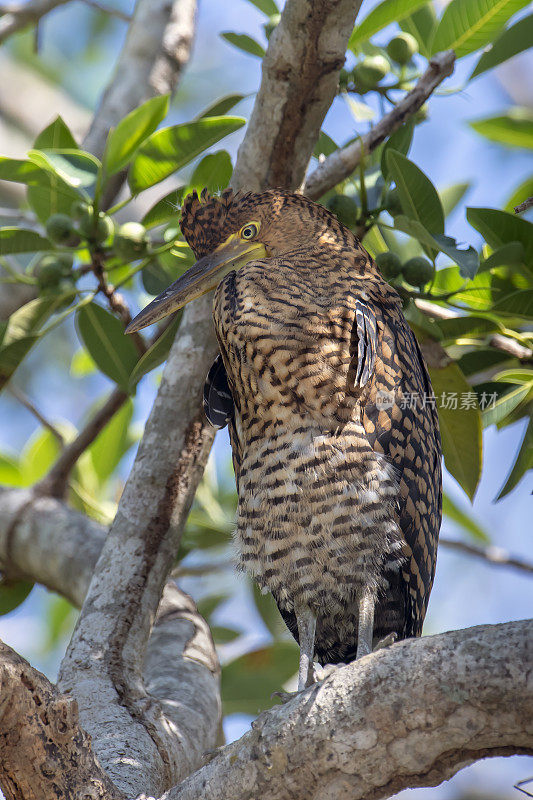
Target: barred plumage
[339, 479]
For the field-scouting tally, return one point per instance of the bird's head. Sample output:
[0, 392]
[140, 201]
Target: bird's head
[225, 232]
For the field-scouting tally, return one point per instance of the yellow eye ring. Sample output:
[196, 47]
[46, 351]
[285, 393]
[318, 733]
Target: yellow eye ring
[249, 231]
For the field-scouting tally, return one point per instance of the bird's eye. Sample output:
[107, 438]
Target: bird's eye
[249, 231]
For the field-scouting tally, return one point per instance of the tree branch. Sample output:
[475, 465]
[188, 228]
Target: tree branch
[17, 16]
[139, 551]
[156, 49]
[409, 715]
[340, 164]
[499, 342]
[524, 206]
[43, 751]
[494, 555]
[43, 538]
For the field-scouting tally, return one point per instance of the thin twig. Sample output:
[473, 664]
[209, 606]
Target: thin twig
[55, 483]
[523, 206]
[490, 553]
[499, 342]
[23, 398]
[17, 16]
[340, 164]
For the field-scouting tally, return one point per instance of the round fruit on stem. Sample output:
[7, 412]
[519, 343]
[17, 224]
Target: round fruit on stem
[131, 241]
[402, 48]
[417, 271]
[59, 229]
[389, 264]
[370, 71]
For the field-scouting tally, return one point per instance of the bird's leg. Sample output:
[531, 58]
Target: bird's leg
[306, 622]
[366, 625]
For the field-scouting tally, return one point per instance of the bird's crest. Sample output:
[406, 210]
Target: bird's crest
[204, 220]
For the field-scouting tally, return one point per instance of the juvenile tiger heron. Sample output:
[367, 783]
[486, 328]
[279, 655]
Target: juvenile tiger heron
[338, 469]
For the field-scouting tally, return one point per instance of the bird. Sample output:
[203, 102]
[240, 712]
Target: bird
[332, 420]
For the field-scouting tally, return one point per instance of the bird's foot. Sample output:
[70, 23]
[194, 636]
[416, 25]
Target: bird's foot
[326, 670]
[285, 697]
[386, 641]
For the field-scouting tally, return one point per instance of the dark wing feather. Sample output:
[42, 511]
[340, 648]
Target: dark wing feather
[218, 402]
[366, 332]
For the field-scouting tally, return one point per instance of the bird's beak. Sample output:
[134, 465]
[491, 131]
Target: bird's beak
[199, 279]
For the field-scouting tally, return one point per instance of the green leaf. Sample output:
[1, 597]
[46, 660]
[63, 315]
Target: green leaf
[514, 129]
[519, 376]
[20, 171]
[244, 42]
[400, 142]
[214, 172]
[19, 240]
[169, 149]
[467, 25]
[503, 406]
[518, 304]
[458, 327]
[452, 195]
[56, 135]
[361, 112]
[421, 24]
[466, 257]
[382, 15]
[132, 131]
[166, 209]
[39, 454]
[269, 612]
[521, 193]
[325, 145]
[509, 43]
[418, 196]
[157, 353]
[112, 443]
[499, 228]
[223, 635]
[10, 474]
[12, 594]
[504, 256]
[47, 193]
[460, 427]
[156, 276]
[103, 336]
[481, 359]
[221, 106]
[248, 682]
[267, 7]
[12, 354]
[463, 519]
[75, 167]
[523, 462]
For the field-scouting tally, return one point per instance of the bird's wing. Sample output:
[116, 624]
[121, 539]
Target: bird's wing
[219, 407]
[218, 402]
[366, 331]
[405, 428]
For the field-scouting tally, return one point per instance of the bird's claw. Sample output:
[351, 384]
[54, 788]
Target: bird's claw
[285, 697]
[387, 640]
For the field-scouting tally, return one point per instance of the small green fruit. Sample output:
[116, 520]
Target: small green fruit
[402, 48]
[59, 228]
[392, 202]
[49, 272]
[95, 233]
[78, 209]
[389, 264]
[131, 241]
[417, 271]
[345, 209]
[105, 227]
[272, 23]
[371, 71]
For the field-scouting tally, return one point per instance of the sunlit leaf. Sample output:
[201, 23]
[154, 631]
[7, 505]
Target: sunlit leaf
[213, 172]
[244, 42]
[460, 427]
[10, 474]
[464, 255]
[418, 197]
[509, 43]
[38, 455]
[131, 132]
[467, 25]
[481, 359]
[325, 145]
[518, 304]
[169, 149]
[103, 336]
[452, 195]
[361, 112]
[56, 135]
[507, 254]
[165, 209]
[518, 195]
[268, 7]
[400, 141]
[382, 15]
[459, 327]
[519, 376]
[75, 167]
[514, 129]
[505, 403]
